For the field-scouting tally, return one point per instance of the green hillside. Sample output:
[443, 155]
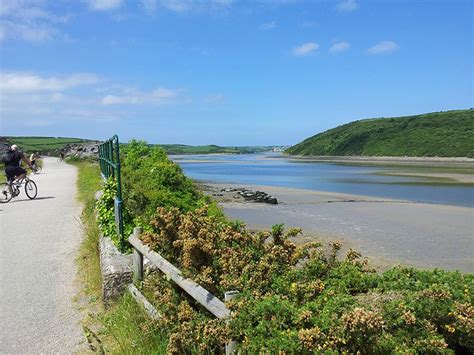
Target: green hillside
[441, 134]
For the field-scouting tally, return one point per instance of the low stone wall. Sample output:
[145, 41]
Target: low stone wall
[116, 269]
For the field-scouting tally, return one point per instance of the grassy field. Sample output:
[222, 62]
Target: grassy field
[441, 134]
[176, 149]
[43, 145]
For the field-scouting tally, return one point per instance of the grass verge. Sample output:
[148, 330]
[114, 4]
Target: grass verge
[124, 327]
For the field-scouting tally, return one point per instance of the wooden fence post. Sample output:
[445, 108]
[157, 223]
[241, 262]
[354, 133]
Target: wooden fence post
[231, 346]
[137, 258]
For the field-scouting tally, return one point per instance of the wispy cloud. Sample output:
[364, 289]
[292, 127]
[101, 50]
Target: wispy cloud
[214, 99]
[104, 5]
[150, 6]
[383, 47]
[181, 6]
[11, 82]
[267, 26]
[29, 20]
[305, 49]
[339, 47]
[347, 5]
[309, 24]
[135, 97]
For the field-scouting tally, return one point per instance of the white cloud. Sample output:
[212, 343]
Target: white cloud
[214, 99]
[104, 5]
[134, 97]
[347, 6]
[38, 123]
[268, 26]
[383, 47]
[191, 5]
[309, 24]
[305, 49]
[37, 99]
[11, 82]
[30, 32]
[339, 47]
[29, 20]
[150, 6]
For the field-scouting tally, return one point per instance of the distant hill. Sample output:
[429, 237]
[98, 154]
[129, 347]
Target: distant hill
[43, 145]
[441, 134]
[210, 149]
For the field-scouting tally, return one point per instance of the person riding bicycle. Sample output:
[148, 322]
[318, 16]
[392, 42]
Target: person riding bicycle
[12, 159]
[33, 158]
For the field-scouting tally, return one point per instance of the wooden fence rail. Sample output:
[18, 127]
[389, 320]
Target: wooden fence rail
[201, 295]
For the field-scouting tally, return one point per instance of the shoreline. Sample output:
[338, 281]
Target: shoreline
[383, 160]
[386, 231]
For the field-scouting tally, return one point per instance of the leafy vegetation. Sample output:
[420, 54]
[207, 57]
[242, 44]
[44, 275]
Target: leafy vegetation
[442, 134]
[43, 145]
[300, 299]
[211, 149]
[150, 180]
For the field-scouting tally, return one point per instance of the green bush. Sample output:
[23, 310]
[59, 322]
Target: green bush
[106, 212]
[151, 180]
[300, 299]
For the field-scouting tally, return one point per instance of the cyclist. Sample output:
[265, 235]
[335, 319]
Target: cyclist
[33, 158]
[12, 159]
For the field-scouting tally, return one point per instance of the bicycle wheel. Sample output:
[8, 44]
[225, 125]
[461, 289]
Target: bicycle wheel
[30, 189]
[37, 169]
[5, 193]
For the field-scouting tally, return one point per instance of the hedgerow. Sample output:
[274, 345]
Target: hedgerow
[149, 180]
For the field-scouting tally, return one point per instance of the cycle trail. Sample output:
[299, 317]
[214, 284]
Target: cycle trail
[39, 241]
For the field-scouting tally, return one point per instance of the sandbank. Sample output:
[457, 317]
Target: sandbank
[387, 231]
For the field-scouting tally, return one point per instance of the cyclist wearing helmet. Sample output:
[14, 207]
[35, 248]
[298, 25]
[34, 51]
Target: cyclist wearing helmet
[12, 159]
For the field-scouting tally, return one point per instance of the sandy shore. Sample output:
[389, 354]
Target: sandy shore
[385, 230]
[422, 161]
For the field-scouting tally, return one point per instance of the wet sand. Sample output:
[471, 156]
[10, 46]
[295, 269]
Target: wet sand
[386, 231]
[414, 161]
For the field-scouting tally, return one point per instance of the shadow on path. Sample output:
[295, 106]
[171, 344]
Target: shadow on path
[35, 199]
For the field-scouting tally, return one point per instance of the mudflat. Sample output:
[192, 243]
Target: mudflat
[387, 231]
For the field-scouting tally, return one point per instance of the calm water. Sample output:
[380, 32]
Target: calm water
[274, 170]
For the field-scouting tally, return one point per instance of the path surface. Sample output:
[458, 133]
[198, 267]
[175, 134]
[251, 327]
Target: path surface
[38, 244]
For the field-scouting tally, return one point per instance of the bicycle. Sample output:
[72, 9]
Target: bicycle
[12, 187]
[36, 169]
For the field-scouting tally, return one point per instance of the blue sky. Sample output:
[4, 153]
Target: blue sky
[227, 72]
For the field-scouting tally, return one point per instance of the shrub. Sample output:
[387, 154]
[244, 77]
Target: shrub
[299, 299]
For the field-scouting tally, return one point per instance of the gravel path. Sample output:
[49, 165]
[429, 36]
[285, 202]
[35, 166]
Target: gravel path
[38, 244]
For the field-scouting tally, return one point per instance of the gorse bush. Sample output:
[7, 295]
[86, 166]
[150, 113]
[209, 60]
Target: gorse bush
[300, 299]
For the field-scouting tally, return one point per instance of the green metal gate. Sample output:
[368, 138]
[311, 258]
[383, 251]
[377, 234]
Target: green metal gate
[109, 160]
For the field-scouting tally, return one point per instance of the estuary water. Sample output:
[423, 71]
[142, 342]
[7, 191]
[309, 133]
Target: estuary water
[273, 169]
